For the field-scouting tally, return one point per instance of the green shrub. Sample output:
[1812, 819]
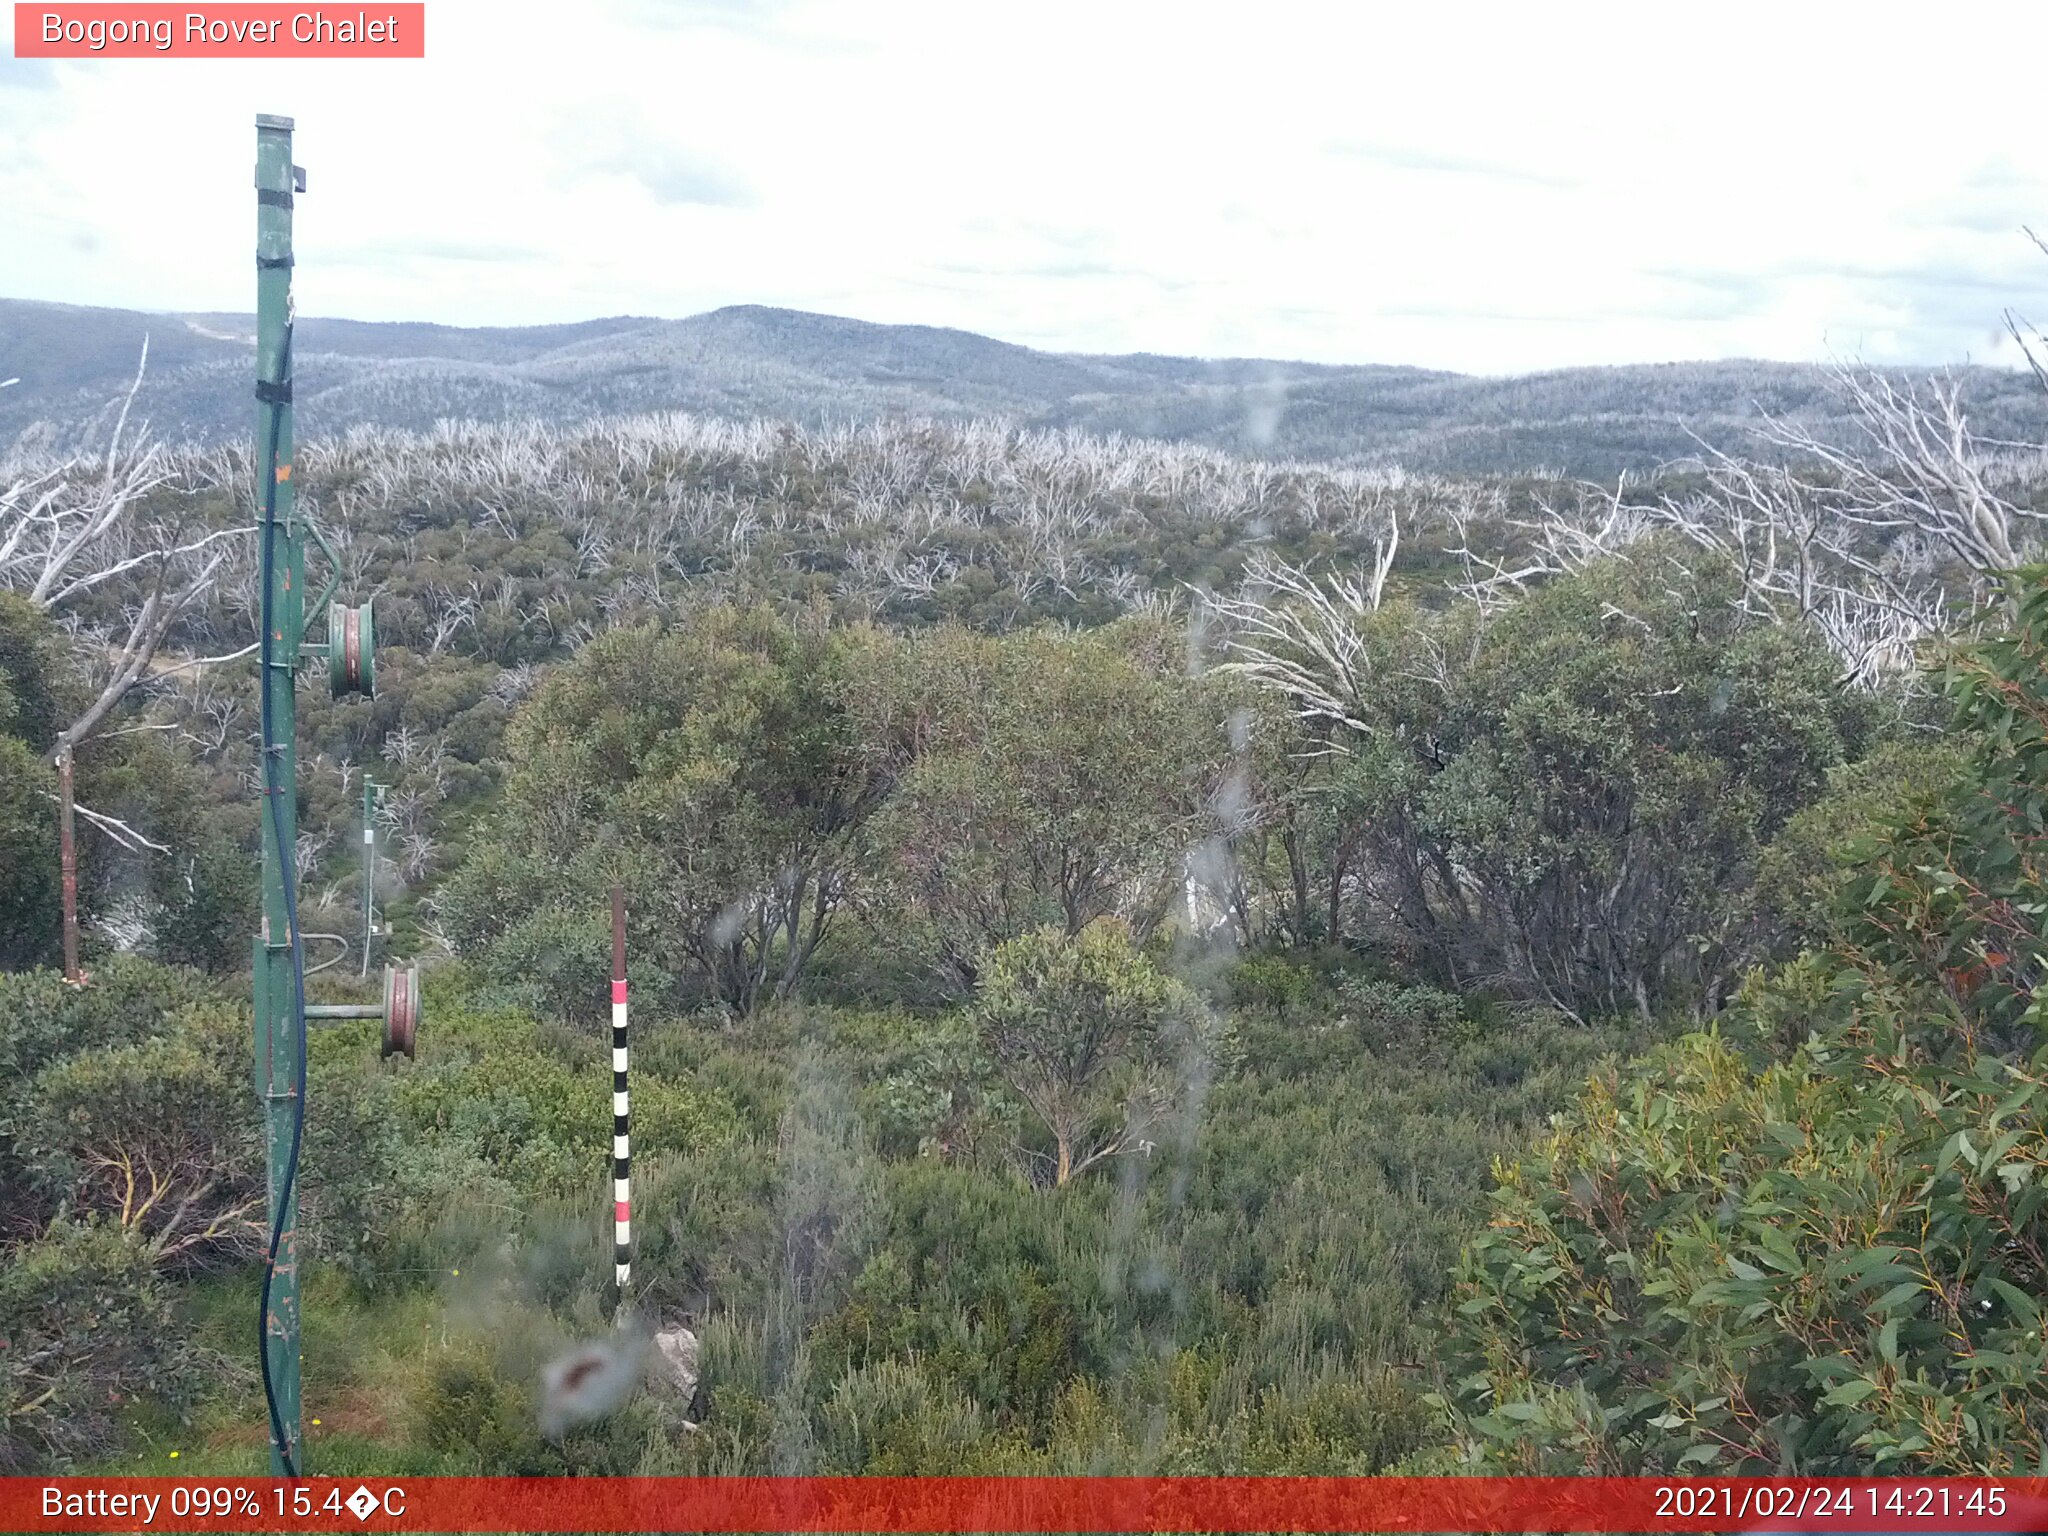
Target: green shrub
[493, 1092]
[478, 1417]
[157, 1135]
[30, 896]
[893, 1419]
[42, 1018]
[1802, 874]
[88, 1329]
[1829, 1260]
[1092, 1037]
[1568, 797]
[1270, 981]
[1820, 1268]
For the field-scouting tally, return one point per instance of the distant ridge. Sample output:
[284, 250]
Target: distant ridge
[749, 360]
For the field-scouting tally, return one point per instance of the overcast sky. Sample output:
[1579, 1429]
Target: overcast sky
[1486, 188]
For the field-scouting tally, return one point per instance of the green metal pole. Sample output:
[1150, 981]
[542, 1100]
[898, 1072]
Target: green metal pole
[279, 1025]
[369, 869]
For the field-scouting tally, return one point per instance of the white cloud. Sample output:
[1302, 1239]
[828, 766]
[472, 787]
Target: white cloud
[1488, 188]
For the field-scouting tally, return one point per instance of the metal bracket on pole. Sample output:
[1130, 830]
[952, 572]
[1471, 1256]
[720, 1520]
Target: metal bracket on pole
[400, 1010]
[319, 603]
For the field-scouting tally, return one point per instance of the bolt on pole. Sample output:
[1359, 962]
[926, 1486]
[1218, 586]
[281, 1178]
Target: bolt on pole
[280, 1023]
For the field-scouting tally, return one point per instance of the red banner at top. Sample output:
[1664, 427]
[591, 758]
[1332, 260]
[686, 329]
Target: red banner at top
[238, 31]
[1849, 1506]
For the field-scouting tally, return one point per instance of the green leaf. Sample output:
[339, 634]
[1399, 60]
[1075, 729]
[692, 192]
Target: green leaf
[1830, 1368]
[2019, 1302]
[2001, 1145]
[1898, 1295]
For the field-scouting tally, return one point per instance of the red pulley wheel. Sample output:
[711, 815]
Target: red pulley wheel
[351, 651]
[401, 1009]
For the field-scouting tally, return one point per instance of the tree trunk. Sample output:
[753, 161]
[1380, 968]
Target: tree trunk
[1335, 935]
[1298, 876]
[67, 855]
[1066, 1163]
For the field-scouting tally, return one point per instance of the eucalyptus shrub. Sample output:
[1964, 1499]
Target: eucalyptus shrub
[1830, 1259]
[88, 1327]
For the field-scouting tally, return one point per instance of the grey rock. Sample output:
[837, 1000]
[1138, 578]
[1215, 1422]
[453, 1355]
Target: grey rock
[673, 1363]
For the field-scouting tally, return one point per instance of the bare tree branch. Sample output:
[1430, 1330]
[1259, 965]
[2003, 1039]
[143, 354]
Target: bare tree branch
[119, 830]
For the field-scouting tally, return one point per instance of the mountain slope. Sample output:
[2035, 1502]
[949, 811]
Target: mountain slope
[749, 360]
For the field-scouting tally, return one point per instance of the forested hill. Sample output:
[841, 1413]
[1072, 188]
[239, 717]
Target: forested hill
[748, 361]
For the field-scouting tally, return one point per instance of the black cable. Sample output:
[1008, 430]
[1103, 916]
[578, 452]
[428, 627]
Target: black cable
[272, 791]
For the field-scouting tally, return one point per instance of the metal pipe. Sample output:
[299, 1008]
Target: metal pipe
[369, 870]
[344, 1010]
[333, 960]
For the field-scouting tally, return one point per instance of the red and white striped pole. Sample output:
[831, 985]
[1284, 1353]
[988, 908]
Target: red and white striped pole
[622, 1150]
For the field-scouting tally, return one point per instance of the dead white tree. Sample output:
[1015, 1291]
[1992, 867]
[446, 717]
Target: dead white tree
[82, 539]
[209, 720]
[449, 612]
[1567, 535]
[402, 746]
[1919, 467]
[415, 856]
[514, 683]
[1291, 632]
[306, 853]
[1899, 538]
[1803, 549]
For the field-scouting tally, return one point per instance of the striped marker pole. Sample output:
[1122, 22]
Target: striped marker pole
[622, 1151]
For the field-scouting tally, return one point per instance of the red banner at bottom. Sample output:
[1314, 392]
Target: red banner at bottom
[995, 1504]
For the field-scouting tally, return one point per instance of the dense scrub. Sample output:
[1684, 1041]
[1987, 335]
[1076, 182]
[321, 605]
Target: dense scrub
[835, 1196]
[1081, 1024]
[1812, 1240]
[494, 551]
[1035, 1165]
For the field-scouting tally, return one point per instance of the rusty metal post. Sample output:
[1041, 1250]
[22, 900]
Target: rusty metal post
[67, 856]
